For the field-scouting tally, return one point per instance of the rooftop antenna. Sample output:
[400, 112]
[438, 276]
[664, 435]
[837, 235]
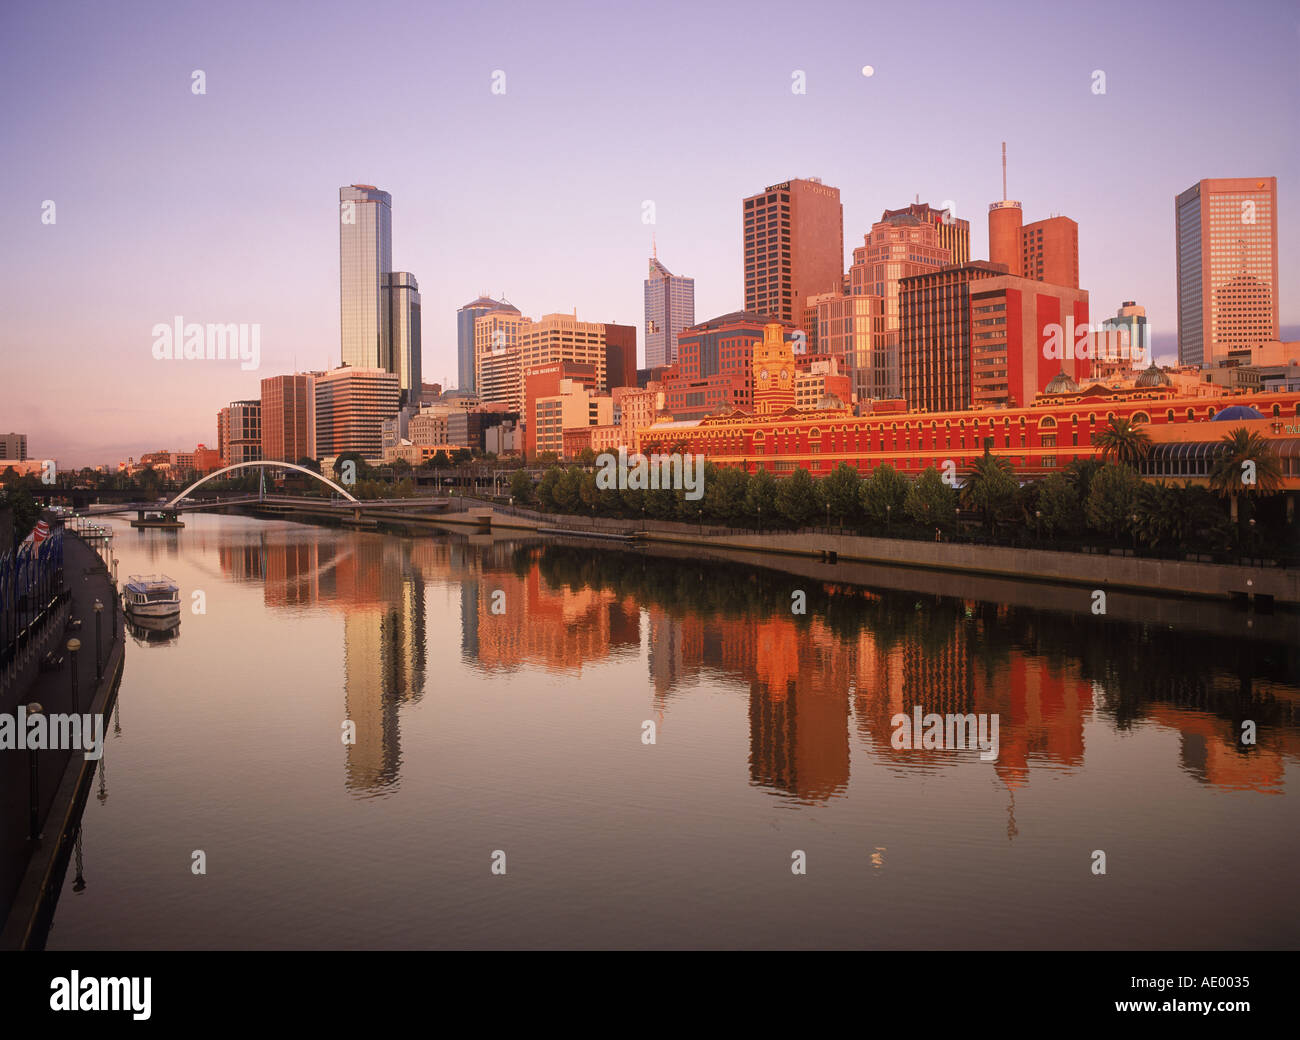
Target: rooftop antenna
[1004, 171]
[654, 249]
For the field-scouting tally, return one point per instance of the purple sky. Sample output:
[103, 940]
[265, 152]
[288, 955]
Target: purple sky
[223, 207]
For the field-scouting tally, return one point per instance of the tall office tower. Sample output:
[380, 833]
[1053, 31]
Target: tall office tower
[1226, 236]
[498, 375]
[954, 233]
[794, 249]
[239, 432]
[934, 353]
[1049, 251]
[466, 352]
[620, 355]
[351, 406]
[773, 372]
[562, 337]
[365, 256]
[897, 247]
[289, 417]
[669, 308]
[402, 293]
[13, 446]
[1122, 343]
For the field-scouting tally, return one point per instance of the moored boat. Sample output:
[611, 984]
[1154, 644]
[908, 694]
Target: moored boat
[151, 595]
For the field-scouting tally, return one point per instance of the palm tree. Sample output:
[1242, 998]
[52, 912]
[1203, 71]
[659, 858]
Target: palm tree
[989, 486]
[1124, 442]
[1245, 465]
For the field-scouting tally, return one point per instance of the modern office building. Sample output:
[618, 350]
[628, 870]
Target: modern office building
[239, 432]
[620, 355]
[953, 232]
[402, 294]
[466, 349]
[669, 308]
[715, 366]
[351, 406]
[1226, 242]
[289, 417]
[13, 446]
[793, 248]
[365, 257]
[1049, 251]
[497, 372]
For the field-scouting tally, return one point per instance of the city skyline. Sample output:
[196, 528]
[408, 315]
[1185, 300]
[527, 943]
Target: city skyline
[219, 239]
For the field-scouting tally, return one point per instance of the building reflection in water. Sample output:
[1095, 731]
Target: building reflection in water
[814, 681]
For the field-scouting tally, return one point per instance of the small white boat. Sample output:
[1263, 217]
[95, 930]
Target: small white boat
[151, 595]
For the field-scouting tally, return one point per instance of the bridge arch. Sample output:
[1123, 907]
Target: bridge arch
[265, 464]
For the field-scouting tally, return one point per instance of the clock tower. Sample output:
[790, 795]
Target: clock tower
[773, 372]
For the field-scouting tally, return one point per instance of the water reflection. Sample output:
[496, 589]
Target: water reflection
[816, 682]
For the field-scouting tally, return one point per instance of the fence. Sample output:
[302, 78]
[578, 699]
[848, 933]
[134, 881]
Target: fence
[32, 592]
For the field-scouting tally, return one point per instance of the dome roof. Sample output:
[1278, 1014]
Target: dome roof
[1237, 413]
[1062, 384]
[830, 403]
[1152, 376]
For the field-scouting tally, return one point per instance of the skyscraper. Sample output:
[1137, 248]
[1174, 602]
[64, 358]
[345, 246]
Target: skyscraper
[466, 353]
[794, 249]
[351, 406]
[365, 257]
[954, 232]
[289, 417]
[402, 294]
[669, 308]
[1226, 239]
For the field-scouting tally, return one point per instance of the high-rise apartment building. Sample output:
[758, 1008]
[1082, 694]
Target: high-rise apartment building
[794, 248]
[669, 308]
[239, 432]
[402, 295]
[365, 257]
[498, 374]
[466, 348]
[13, 446]
[351, 406]
[289, 417]
[1226, 240]
[953, 232]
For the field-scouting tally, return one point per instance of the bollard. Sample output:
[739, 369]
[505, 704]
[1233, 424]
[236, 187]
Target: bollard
[33, 823]
[73, 646]
[99, 643]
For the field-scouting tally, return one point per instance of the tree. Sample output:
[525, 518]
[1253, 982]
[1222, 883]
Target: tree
[546, 488]
[990, 488]
[760, 497]
[884, 494]
[307, 462]
[796, 498]
[1124, 442]
[1112, 500]
[521, 487]
[840, 491]
[441, 460]
[930, 501]
[586, 457]
[724, 493]
[1058, 502]
[1246, 467]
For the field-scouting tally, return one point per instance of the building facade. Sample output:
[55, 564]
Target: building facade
[793, 248]
[239, 432]
[402, 295]
[466, 338]
[365, 257]
[953, 232]
[1226, 246]
[289, 417]
[351, 406]
[669, 309]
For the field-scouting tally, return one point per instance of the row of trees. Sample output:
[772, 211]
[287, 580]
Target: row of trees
[1104, 499]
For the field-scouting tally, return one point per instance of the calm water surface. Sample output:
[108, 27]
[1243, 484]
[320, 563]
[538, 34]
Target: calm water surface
[521, 730]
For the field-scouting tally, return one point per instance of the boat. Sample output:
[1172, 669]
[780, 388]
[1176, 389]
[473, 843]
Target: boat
[153, 630]
[151, 595]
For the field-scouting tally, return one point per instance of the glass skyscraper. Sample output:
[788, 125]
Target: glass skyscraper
[402, 294]
[365, 257]
[669, 308]
[466, 363]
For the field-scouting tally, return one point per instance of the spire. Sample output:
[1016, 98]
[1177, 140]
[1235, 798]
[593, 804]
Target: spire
[654, 248]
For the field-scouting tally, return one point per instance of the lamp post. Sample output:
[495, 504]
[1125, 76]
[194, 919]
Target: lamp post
[889, 510]
[1038, 524]
[73, 646]
[99, 642]
[1135, 531]
[33, 804]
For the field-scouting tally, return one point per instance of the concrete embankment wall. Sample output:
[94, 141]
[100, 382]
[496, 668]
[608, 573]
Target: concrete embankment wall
[1095, 570]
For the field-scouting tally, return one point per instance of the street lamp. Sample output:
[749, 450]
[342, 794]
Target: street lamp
[1038, 524]
[1135, 531]
[73, 646]
[889, 510]
[99, 643]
